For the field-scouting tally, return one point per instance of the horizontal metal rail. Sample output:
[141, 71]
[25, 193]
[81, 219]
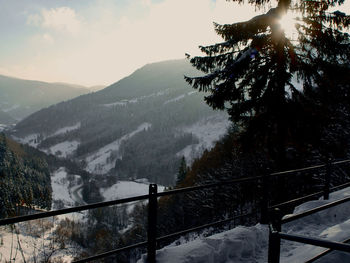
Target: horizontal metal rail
[315, 241]
[314, 210]
[178, 191]
[296, 200]
[299, 170]
[163, 238]
[332, 189]
[111, 252]
[19, 219]
[340, 162]
[144, 197]
[308, 196]
[184, 232]
[206, 186]
[324, 253]
[308, 168]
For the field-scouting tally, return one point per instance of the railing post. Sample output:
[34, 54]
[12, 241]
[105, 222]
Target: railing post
[327, 179]
[152, 224]
[274, 239]
[264, 201]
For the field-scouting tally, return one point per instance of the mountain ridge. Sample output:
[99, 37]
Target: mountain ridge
[20, 97]
[134, 128]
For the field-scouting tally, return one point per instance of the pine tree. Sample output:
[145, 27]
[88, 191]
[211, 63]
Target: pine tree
[181, 174]
[252, 73]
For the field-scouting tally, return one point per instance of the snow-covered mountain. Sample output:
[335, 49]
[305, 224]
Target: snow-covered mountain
[139, 127]
[19, 98]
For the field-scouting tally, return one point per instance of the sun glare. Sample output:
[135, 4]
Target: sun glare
[287, 23]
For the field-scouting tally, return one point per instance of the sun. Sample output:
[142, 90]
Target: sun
[287, 23]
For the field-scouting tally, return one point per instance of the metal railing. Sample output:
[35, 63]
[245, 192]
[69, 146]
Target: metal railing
[276, 234]
[153, 196]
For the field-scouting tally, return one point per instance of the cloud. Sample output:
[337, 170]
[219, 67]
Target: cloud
[63, 19]
[108, 40]
[42, 39]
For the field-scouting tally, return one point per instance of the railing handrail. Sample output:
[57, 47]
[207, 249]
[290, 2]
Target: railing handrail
[18, 219]
[276, 233]
[314, 210]
[160, 194]
[315, 241]
[162, 238]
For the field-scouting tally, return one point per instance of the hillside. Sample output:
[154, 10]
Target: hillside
[19, 98]
[25, 178]
[139, 127]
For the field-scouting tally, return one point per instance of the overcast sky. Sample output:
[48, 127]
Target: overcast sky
[92, 42]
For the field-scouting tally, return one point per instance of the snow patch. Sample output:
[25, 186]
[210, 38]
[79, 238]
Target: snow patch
[66, 129]
[241, 244]
[118, 103]
[208, 131]
[2, 127]
[65, 189]
[124, 189]
[250, 244]
[135, 100]
[63, 149]
[103, 160]
[31, 139]
[175, 99]
[192, 92]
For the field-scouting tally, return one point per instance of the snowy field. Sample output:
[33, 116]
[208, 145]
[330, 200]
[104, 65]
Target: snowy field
[65, 189]
[31, 139]
[125, 189]
[63, 149]
[101, 162]
[208, 131]
[136, 100]
[2, 127]
[66, 129]
[250, 244]
[36, 241]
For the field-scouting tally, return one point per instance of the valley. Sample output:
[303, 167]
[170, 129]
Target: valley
[112, 144]
[139, 127]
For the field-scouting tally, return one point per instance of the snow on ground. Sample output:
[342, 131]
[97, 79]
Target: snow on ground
[65, 189]
[331, 224]
[175, 99]
[135, 100]
[208, 131]
[63, 149]
[180, 97]
[2, 127]
[31, 139]
[33, 241]
[101, 162]
[66, 129]
[118, 103]
[125, 189]
[250, 244]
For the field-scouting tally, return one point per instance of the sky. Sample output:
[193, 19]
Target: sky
[97, 42]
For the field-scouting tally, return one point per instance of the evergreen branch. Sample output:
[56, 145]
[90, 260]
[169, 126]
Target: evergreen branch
[243, 31]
